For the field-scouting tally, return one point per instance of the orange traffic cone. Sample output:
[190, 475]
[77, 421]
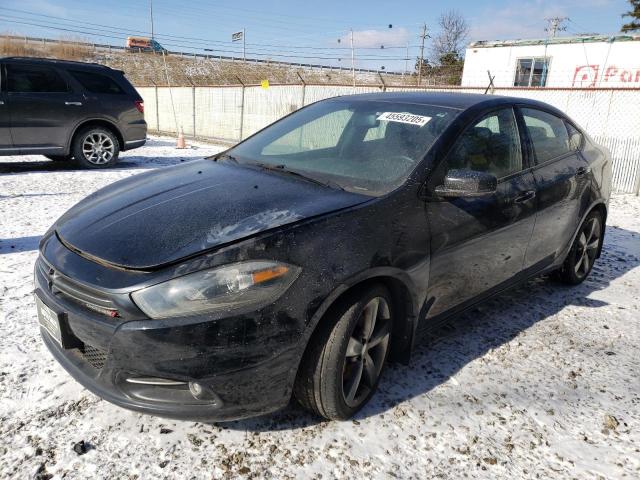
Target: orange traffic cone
[181, 143]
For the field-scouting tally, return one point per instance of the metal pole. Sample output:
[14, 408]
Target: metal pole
[151, 14]
[304, 87]
[406, 61]
[244, 43]
[421, 59]
[157, 109]
[193, 103]
[353, 63]
[384, 86]
[241, 107]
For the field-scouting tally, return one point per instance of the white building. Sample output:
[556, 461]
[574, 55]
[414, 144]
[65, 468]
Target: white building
[567, 62]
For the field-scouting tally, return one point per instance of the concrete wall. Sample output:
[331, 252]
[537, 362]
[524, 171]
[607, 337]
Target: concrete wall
[232, 113]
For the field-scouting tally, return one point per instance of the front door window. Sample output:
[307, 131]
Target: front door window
[492, 145]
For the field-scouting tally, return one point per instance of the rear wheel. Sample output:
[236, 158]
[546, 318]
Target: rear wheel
[95, 147]
[584, 250]
[343, 364]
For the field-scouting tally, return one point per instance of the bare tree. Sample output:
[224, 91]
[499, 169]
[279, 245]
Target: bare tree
[449, 42]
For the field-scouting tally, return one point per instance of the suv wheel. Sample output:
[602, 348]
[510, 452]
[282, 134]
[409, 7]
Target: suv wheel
[95, 147]
[342, 367]
[584, 250]
[59, 158]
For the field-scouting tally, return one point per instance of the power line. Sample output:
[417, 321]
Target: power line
[187, 39]
[268, 55]
[289, 53]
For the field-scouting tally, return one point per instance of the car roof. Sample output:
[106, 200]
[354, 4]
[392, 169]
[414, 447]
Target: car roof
[55, 61]
[457, 100]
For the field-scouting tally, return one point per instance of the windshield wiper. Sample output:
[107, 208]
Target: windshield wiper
[295, 173]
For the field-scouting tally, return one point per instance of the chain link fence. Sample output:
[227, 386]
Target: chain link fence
[231, 113]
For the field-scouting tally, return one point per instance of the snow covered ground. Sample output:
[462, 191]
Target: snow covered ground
[541, 382]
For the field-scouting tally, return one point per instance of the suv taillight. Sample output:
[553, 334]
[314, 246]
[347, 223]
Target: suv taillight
[139, 105]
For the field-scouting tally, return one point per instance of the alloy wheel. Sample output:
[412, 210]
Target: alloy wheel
[587, 247]
[366, 351]
[98, 148]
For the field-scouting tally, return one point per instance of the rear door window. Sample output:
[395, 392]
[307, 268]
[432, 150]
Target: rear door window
[491, 145]
[34, 79]
[96, 82]
[548, 134]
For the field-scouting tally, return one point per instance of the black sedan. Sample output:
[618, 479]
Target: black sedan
[301, 260]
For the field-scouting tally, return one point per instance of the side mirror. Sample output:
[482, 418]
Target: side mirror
[467, 183]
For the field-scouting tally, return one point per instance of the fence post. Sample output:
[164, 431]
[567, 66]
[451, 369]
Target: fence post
[384, 86]
[155, 87]
[304, 88]
[193, 105]
[241, 106]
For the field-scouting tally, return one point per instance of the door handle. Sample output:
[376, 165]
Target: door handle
[583, 171]
[73, 103]
[523, 197]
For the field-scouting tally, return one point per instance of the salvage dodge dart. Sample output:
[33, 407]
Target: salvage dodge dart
[301, 260]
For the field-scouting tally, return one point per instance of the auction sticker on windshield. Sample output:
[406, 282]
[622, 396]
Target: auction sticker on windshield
[409, 118]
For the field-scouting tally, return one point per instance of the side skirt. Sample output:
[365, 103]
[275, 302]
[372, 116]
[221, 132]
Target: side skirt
[429, 325]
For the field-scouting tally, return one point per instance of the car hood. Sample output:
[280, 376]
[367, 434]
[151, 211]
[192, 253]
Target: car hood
[160, 217]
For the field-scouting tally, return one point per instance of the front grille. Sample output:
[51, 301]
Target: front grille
[96, 357]
[77, 292]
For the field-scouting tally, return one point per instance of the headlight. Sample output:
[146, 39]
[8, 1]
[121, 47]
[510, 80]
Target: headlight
[237, 288]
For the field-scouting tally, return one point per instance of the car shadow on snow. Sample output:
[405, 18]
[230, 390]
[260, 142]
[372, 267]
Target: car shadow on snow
[19, 244]
[472, 334]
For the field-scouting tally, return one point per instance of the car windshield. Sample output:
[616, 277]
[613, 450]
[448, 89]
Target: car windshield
[357, 145]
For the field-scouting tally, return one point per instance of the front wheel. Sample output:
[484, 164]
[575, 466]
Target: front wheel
[95, 147]
[342, 366]
[584, 250]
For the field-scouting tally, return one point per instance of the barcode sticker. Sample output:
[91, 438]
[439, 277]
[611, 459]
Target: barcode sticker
[409, 118]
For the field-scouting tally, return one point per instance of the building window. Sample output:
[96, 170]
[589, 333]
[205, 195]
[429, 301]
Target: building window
[532, 72]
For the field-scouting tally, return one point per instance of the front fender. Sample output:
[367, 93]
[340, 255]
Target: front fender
[404, 337]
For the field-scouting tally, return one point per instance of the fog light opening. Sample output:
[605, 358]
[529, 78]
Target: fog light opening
[202, 392]
[196, 390]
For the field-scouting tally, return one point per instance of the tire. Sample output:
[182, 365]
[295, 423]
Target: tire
[59, 158]
[584, 251]
[95, 147]
[325, 384]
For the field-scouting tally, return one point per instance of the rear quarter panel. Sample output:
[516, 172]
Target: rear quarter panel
[599, 159]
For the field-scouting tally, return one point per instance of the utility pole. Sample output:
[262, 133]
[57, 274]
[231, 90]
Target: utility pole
[406, 61]
[244, 45]
[353, 61]
[555, 25]
[422, 37]
[151, 13]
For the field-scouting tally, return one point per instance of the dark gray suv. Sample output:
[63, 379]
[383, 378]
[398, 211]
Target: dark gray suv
[67, 110]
